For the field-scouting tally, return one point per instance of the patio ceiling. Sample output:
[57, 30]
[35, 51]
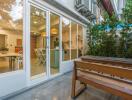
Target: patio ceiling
[68, 11]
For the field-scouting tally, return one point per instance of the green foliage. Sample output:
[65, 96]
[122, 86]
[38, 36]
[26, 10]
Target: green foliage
[112, 43]
[127, 11]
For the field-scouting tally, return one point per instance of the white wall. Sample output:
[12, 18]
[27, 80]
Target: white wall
[66, 66]
[67, 3]
[12, 82]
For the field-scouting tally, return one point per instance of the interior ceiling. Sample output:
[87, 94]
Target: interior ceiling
[11, 14]
[38, 20]
[67, 11]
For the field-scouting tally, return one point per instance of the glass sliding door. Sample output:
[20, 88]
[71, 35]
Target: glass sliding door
[37, 41]
[73, 40]
[54, 43]
[65, 39]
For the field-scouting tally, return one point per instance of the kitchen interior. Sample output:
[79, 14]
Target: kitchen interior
[11, 36]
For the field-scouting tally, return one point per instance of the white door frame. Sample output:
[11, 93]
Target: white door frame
[60, 25]
[48, 76]
[43, 77]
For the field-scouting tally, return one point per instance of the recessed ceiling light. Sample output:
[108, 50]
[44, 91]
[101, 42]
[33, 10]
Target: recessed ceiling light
[35, 22]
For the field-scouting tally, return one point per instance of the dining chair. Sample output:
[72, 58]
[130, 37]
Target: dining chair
[38, 54]
[43, 55]
[19, 60]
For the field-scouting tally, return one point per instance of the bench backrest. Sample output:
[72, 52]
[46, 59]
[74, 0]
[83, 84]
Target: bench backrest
[104, 68]
[112, 62]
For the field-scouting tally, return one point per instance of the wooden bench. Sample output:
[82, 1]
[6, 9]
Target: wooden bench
[87, 73]
[109, 60]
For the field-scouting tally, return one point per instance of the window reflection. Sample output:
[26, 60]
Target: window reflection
[73, 40]
[11, 34]
[65, 39]
[80, 40]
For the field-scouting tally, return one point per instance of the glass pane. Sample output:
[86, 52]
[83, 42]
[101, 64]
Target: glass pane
[54, 43]
[73, 40]
[80, 40]
[65, 39]
[11, 35]
[38, 41]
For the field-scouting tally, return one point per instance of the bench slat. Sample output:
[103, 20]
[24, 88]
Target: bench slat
[126, 94]
[109, 82]
[110, 62]
[107, 61]
[112, 70]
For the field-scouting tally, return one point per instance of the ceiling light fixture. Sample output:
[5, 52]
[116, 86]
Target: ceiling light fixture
[54, 31]
[35, 22]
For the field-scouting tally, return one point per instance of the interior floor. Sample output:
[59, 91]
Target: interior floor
[4, 66]
[35, 68]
